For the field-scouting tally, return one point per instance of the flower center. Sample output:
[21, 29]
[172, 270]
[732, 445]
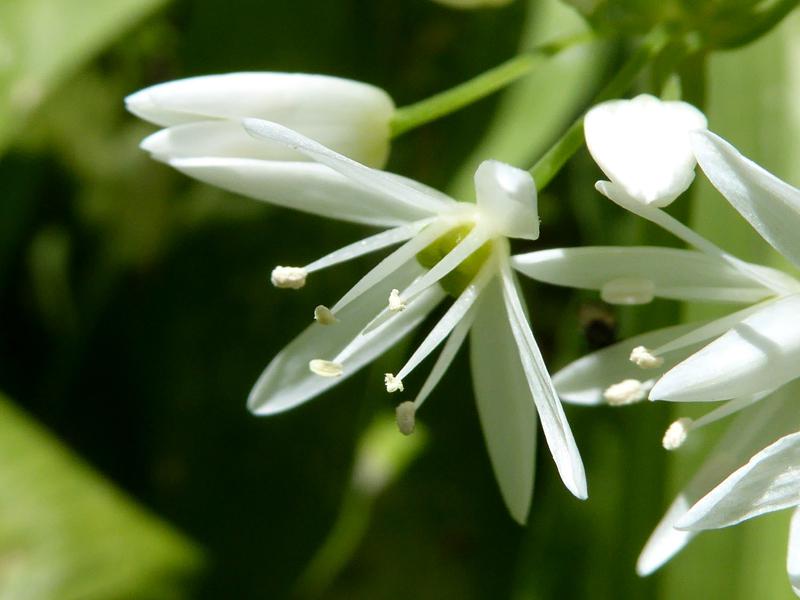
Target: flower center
[459, 278]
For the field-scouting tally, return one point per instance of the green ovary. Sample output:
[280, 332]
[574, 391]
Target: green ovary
[459, 278]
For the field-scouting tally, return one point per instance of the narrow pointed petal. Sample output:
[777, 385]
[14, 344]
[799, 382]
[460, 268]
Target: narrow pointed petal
[770, 481]
[643, 145]
[506, 410]
[760, 353]
[349, 116]
[507, 197]
[378, 181]
[674, 273]
[554, 422]
[749, 431]
[793, 555]
[770, 205]
[287, 381]
[583, 381]
[304, 186]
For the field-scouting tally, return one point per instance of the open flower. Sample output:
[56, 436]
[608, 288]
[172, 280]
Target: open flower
[202, 113]
[448, 249]
[754, 362]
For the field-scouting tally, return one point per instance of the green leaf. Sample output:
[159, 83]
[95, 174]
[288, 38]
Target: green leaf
[43, 42]
[66, 534]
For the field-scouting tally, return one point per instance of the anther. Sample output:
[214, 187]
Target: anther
[627, 391]
[393, 384]
[396, 302]
[288, 277]
[645, 359]
[628, 290]
[325, 368]
[324, 316]
[405, 414]
[676, 434]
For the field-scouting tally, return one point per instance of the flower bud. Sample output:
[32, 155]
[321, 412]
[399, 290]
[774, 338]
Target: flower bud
[350, 117]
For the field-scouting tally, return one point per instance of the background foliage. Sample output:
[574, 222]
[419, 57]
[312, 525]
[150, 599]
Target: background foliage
[136, 313]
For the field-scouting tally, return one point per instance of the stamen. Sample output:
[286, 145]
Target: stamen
[628, 291]
[396, 302]
[324, 316]
[627, 391]
[289, 277]
[405, 414]
[325, 368]
[393, 384]
[677, 433]
[645, 359]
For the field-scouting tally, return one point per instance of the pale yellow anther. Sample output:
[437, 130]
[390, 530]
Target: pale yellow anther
[292, 278]
[406, 417]
[676, 434]
[393, 384]
[325, 368]
[396, 302]
[642, 357]
[324, 316]
[627, 391]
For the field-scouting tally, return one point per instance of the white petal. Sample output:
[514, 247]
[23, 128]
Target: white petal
[506, 197]
[349, 116]
[761, 352]
[749, 431]
[793, 555]
[584, 380]
[287, 381]
[410, 195]
[554, 421]
[643, 145]
[304, 186]
[507, 412]
[770, 205]
[213, 139]
[676, 274]
[770, 481]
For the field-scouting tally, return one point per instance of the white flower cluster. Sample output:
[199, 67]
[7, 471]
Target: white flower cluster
[314, 144]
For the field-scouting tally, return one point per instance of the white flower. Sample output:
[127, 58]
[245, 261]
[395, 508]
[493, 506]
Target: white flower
[448, 248]
[754, 363]
[201, 116]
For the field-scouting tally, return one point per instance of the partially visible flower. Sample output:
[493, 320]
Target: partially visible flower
[202, 115]
[754, 363]
[449, 248]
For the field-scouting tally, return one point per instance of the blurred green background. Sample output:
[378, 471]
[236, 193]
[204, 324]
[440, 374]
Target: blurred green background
[136, 312]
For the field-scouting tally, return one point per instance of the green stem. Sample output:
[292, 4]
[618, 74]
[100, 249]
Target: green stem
[550, 164]
[408, 117]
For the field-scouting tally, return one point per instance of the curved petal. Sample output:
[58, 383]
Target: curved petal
[506, 409]
[760, 353]
[506, 197]
[583, 381]
[770, 205]
[673, 273]
[378, 181]
[793, 555]
[349, 116]
[770, 481]
[554, 422]
[643, 145]
[304, 186]
[751, 429]
[287, 381]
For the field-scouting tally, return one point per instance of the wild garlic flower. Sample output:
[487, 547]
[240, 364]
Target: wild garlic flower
[754, 362]
[201, 118]
[448, 249]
